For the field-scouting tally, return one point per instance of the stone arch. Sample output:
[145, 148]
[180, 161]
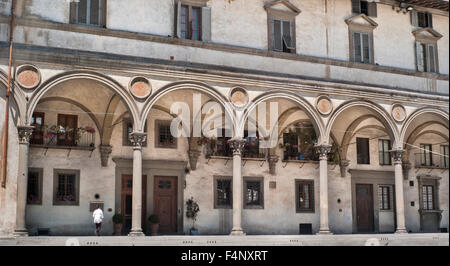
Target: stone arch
[108, 82]
[186, 85]
[18, 97]
[300, 101]
[377, 112]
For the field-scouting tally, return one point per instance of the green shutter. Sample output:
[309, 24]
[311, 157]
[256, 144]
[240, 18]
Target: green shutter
[372, 9]
[206, 24]
[357, 47]
[177, 18]
[431, 58]
[419, 57]
[277, 45]
[366, 48]
[356, 6]
[73, 13]
[414, 19]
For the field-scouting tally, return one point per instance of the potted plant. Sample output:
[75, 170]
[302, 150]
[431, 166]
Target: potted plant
[118, 223]
[154, 224]
[192, 210]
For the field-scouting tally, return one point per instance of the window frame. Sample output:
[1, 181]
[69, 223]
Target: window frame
[158, 124]
[290, 17]
[76, 173]
[426, 181]
[102, 12]
[381, 200]
[444, 162]
[39, 172]
[191, 5]
[65, 142]
[216, 194]
[361, 32]
[312, 192]
[368, 151]
[423, 154]
[371, 8]
[426, 58]
[36, 131]
[382, 153]
[261, 192]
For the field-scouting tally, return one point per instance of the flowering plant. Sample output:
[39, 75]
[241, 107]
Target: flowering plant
[89, 129]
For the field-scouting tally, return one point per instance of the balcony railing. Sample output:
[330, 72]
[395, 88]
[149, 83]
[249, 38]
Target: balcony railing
[431, 160]
[82, 137]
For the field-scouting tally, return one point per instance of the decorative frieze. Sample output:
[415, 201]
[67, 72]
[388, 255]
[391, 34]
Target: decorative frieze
[25, 133]
[105, 151]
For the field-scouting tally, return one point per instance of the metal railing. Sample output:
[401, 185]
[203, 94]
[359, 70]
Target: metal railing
[79, 137]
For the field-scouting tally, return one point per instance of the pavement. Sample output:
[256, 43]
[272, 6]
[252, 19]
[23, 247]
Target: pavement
[420, 239]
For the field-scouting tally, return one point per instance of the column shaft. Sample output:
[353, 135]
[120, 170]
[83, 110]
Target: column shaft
[399, 196]
[136, 215]
[323, 151]
[237, 145]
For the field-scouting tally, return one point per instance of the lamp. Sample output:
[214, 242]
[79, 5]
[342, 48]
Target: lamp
[403, 7]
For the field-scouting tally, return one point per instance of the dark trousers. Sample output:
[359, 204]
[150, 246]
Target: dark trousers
[98, 226]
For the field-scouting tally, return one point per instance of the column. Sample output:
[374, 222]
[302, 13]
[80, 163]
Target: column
[397, 156]
[323, 151]
[137, 138]
[237, 144]
[22, 179]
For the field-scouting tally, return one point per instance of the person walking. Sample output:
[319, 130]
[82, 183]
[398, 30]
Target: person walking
[98, 220]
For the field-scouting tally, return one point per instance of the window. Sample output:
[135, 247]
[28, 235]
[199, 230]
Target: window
[304, 192]
[164, 138]
[361, 47]
[384, 146]
[426, 57]
[421, 19]
[427, 197]
[362, 150]
[66, 187]
[251, 148]
[384, 197]
[34, 186]
[223, 193]
[290, 142]
[127, 130]
[88, 12]
[253, 193]
[68, 136]
[444, 156]
[426, 158]
[193, 21]
[282, 36]
[364, 7]
[298, 143]
[281, 26]
[37, 120]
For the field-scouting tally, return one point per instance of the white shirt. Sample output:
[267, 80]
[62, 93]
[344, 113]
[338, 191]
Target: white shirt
[98, 216]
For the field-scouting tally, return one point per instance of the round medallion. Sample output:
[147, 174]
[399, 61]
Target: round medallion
[324, 105]
[239, 97]
[140, 87]
[28, 76]
[398, 112]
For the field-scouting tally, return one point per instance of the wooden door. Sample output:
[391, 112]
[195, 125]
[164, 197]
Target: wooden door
[127, 202]
[364, 208]
[165, 203]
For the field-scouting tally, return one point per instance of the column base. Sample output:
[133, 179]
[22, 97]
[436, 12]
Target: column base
[237, 232]
[324, 232]
[20, 233]
[401, 231]
[136, 232]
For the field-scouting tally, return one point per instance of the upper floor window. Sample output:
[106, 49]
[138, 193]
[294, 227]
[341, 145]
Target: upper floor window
[384, 145]
[193, 20]
[361, 47]
[37, 120]
[68, 136]
[362, 151]
[444, 156]
[163, 136]
[426, 158]
[89, 12]
[421, 19]
[364, 7]
[281, 26]
[361, 38]
[426, 57]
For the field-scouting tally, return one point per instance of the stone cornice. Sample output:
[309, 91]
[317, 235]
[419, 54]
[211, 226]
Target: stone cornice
[43, 24]
[131, 66]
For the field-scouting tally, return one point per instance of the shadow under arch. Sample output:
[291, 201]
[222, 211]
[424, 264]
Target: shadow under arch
[187, 85]
[108, 82]
[378, 113]
[301, 103]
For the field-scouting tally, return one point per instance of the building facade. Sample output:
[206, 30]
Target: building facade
[359, 90]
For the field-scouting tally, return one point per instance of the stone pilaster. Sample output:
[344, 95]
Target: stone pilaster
[137, 138]
[273, 159]
[24, 133]
[105, 151]
[237, 144]
[397, 157]
[323, 151]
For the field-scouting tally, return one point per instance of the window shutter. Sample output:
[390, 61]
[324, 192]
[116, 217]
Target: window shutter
[357, 47]
[206, 24]
[277, 35]
[177, 17]
[419, 57]
[73, 12]
[82, 11]
[287, 37]
[356, 6]
[372, 9]
[366, 48]
[414, 18]
[430, 20]
[94, 8]
[431, 56]
[103, 13]
[311, 196]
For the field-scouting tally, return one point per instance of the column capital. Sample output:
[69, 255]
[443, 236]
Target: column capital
[25, 134]
[397, 156]
[237, 144]
[323, 151]
[105, 151]
[138, 138]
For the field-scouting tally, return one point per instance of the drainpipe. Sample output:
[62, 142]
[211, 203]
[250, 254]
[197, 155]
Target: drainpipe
[8, 92]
